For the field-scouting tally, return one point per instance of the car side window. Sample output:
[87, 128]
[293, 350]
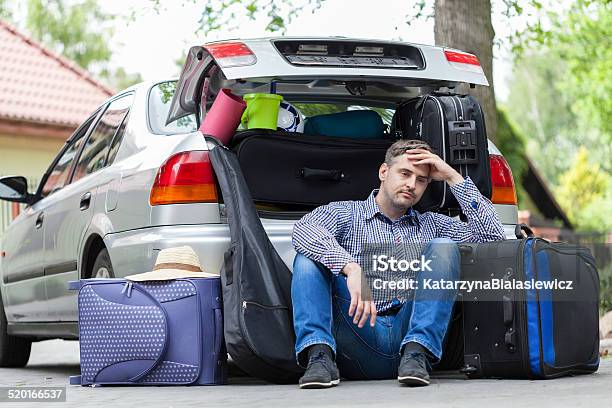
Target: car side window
[96, 149]
[60, 174]
[114, 148]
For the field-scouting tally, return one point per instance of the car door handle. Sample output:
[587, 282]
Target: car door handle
[85, 201]
[39, 220]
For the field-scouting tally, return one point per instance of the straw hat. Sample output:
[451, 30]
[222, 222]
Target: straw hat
[174, 263]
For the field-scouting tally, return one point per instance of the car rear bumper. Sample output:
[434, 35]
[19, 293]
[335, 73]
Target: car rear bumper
[136, 251]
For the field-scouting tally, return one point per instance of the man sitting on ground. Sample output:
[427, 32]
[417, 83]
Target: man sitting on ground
[406, 333]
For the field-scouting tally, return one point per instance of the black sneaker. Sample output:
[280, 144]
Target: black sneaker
[414, 369]
[321, 371]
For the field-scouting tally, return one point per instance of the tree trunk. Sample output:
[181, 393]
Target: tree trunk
[466, 25]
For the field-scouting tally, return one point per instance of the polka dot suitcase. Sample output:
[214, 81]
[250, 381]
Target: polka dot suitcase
[150, 333]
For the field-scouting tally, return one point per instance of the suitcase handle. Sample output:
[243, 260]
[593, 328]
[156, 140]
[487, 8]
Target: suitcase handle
[508, 315]
[228, 266]
[161, 356]
[518, 231]
[321, 174]
[218, 331]
[508, 320]
[508, 310]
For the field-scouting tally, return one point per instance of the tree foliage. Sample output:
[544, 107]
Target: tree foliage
[560, 98]
[222, 13]
[79, 31]
[542, 112]
[586, 45]
[546, 112]
[5, 11]
[585, 193]
[511, 143]
[578, 37]
[119, 78]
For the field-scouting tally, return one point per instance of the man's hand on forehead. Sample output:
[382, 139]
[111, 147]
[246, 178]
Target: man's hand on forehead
[439, 169]
[416, 155]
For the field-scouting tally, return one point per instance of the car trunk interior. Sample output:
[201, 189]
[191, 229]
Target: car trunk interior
[290, 174]
[312, 97]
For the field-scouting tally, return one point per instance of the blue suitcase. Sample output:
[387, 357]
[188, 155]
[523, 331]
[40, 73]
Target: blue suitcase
[150, 333]
[356, 124]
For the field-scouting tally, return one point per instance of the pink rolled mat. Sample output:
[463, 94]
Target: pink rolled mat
[224, 116]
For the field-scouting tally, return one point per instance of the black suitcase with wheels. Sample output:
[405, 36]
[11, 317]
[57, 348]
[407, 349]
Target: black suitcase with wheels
[543, 331]
[294, 168]
[453, 125]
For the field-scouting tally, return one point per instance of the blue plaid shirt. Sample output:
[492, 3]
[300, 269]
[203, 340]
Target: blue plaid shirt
[334, 234]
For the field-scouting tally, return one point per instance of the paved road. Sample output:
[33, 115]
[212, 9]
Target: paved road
[53, 361]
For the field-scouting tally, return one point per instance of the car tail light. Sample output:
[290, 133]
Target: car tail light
[231, 54]
[463, 61]
[186, 177]
[502, 181]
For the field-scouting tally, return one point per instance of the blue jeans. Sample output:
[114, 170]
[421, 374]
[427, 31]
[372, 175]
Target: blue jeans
[320, 316]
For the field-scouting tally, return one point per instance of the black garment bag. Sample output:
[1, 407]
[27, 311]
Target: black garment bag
[256, 283]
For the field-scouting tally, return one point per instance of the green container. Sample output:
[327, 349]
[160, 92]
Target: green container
[261, 111]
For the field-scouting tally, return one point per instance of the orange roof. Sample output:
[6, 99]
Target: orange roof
[37, 85]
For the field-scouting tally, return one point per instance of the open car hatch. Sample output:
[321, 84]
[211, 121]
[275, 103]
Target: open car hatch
[334, 58]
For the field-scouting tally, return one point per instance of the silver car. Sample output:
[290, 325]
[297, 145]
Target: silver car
[127, 184]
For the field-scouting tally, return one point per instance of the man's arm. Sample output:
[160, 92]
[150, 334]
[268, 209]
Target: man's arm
[316, 235]
[483, 224]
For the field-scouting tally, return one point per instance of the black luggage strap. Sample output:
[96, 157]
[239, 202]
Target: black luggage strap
[420, 106]
[518, 231]
[397, 123]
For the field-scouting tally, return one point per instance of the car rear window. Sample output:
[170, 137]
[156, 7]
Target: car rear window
[160, 98]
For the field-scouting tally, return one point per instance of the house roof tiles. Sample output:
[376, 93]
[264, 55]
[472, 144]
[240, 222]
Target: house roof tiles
[37, 85]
